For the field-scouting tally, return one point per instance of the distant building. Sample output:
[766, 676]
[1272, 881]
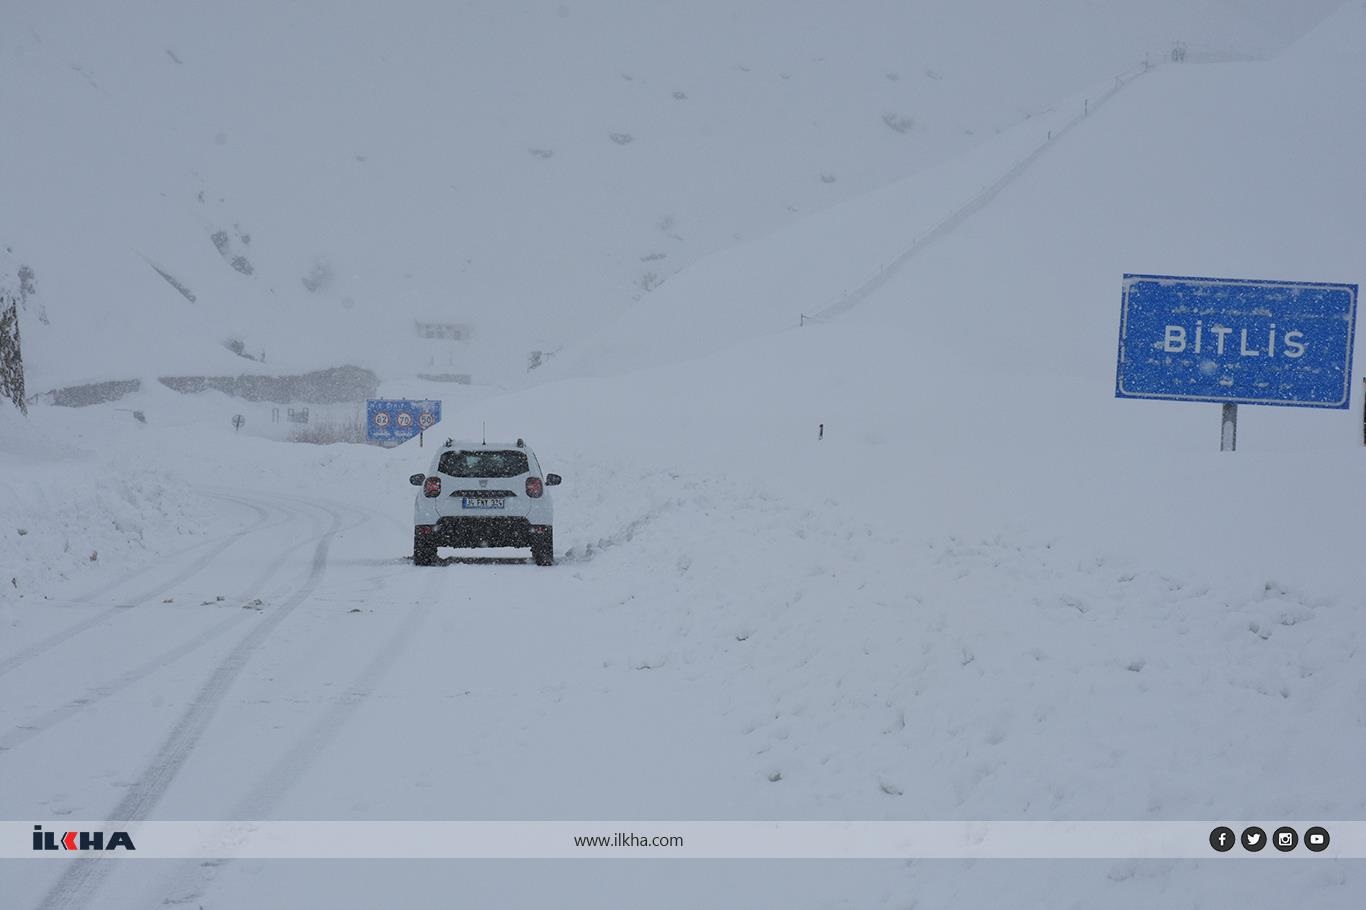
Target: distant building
[443, 350]
[450, 331]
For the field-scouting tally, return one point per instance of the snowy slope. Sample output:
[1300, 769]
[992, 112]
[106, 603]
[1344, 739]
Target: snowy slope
[529, 169]
[992, 591]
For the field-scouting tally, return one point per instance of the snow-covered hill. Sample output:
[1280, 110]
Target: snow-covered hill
[318, 177]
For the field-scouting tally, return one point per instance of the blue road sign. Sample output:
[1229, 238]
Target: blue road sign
[1236, 341]
[399, 419]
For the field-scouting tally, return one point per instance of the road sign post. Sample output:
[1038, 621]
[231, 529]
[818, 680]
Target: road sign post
[1236, 341]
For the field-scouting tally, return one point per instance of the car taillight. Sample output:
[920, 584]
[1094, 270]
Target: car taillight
[534, 488]
[432, 487]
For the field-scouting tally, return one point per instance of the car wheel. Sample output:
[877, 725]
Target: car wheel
[543, 550]
[424, 549]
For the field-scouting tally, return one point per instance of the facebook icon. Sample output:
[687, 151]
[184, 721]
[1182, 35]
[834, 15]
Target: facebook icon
[1221, 839]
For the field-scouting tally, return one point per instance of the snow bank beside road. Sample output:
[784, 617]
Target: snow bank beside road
[73, 512]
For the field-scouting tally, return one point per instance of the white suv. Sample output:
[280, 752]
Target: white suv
[484, 495]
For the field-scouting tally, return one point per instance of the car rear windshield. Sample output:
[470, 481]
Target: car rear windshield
[483, 463]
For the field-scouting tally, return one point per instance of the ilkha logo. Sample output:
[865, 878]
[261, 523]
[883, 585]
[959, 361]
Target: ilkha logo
[80, 840]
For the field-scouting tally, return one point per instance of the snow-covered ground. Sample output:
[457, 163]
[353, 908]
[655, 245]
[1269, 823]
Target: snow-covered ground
[992, 591]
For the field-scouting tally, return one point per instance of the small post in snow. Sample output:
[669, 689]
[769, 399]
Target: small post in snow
[1228, 439]
[820, 432]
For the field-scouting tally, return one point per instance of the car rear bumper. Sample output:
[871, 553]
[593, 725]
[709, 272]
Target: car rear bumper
[492, 531]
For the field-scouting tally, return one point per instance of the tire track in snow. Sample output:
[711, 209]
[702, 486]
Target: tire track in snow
[189, 886]
[285, 773]
[42, 646]
[80, 881]
[627, 533]
[23, 732]
[290, 768]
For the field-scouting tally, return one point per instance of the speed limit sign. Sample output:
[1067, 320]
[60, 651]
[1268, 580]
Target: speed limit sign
[391, 421]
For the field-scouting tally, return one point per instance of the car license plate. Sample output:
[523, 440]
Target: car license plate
[470, 502]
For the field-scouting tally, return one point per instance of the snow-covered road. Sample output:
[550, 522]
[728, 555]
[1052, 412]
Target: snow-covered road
[705, 648]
